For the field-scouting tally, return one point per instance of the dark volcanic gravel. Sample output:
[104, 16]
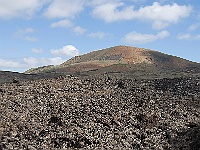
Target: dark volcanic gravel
[100, 113]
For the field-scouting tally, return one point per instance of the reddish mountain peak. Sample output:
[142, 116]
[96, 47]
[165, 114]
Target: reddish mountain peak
[122, 57]
[122, 54]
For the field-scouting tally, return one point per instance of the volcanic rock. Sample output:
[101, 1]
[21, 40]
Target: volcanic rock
[100, 112]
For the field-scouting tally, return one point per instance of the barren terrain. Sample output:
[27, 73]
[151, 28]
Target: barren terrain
[116, 98]
[101, 112]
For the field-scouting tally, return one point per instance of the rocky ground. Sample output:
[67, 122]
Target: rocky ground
[100, 113]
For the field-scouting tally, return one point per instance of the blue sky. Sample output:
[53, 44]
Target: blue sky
[35, 33]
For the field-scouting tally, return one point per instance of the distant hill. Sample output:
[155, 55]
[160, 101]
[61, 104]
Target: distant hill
[124, 61]
[9, 77]
[121, 61]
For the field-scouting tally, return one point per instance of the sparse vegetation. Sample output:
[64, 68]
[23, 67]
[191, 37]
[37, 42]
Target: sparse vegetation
[130, 61]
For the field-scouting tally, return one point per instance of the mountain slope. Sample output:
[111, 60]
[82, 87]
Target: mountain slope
[118, 54]
[122, 59]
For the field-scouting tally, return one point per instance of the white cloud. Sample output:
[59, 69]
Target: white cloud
[35, 62]
[164, 15]
[139, 38]
[20, 8]
[109, 12]
[184, 36]
[68, 50]
[25, 34]
[99, 2]
[37, 51]
[194, 27]
[138, 1]
[10, 64]
[26, 63]
[68, 24]
[25, 31]
[31, 39]
[159, 15]
[32, 62]
[188, 37]
[29, 62]
[79, 30]
[99, 35]
[64, 8]
[62, 23]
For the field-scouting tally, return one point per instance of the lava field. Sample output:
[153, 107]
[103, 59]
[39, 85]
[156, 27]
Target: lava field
[100, 113]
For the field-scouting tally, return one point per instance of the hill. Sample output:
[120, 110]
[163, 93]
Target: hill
[123, 98]
[124, 61]
[10, 77]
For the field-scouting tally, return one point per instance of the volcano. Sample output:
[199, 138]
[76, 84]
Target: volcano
[125, 61]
